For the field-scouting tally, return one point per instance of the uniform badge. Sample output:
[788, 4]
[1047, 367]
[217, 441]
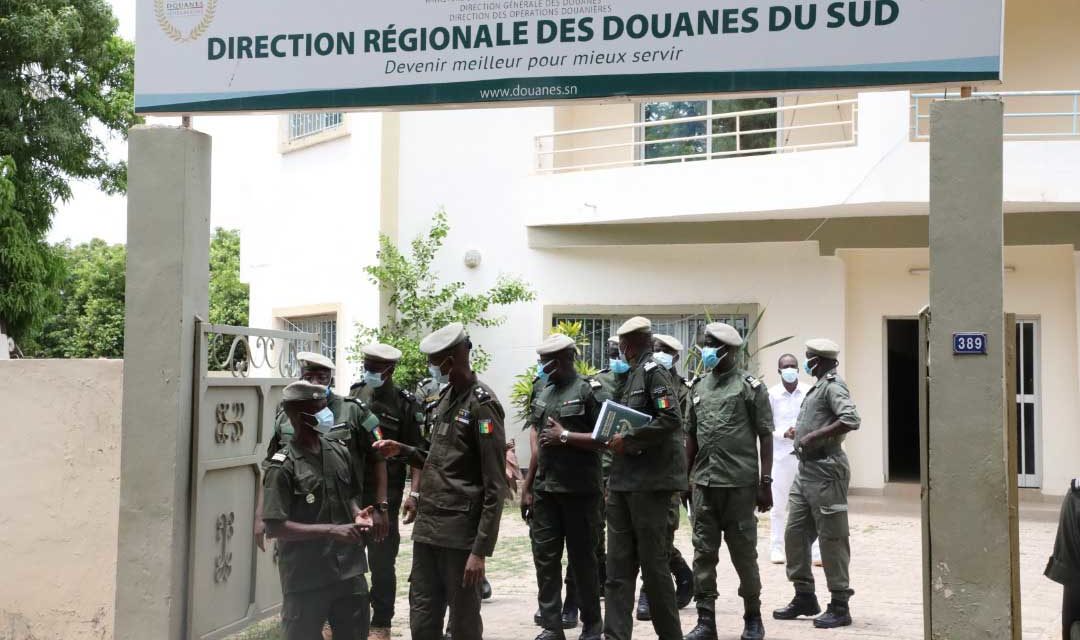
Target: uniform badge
[378, 433]
[486, 427]
[664, 402]
[278, 457]
[697, 399]
[310, 499]
[463, 417]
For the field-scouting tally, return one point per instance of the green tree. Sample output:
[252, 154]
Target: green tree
[420, 303]
[66, 85]
[90, 322]
[228, 296]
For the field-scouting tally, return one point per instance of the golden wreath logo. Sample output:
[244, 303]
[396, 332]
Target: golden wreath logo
[184, 20]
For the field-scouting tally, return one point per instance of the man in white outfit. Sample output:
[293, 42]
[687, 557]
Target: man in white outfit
[786, 398]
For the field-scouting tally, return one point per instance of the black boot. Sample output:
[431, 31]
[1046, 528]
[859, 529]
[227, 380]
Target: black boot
[643, 612]
[684, 585]
[836, 615]
[804, 604]
[485, 590]
[706, 627]
[753, 628]
[551, 634]
[538, 618]
[569, 616]
[592, 631]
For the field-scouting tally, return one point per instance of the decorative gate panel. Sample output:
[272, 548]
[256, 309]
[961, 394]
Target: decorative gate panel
[241, 372]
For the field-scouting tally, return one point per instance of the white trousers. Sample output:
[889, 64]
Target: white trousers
[784, 469]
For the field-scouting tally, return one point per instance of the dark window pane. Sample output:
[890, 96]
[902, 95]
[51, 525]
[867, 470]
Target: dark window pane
[695, 131]
[1019, 439]
[765, 140]
[1029, 438]
[1029, 358]
[1019, 358]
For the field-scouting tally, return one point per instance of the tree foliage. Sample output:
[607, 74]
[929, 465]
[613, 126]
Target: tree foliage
[90, 320]
[420, 303]
[66, 84]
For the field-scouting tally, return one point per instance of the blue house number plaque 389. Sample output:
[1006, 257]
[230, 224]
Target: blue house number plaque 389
[969, 344]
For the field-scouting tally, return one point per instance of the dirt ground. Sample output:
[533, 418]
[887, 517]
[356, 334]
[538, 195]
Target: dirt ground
[885, 574]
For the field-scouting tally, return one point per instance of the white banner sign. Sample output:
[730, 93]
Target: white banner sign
[258, 55]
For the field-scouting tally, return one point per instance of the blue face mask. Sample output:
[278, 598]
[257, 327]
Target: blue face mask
[618, 365]
[542, 371]
[809, 365]
[437, 375]
[710, 357]
[324, 420]
[665, 360]
[373, 379]
[790, 375]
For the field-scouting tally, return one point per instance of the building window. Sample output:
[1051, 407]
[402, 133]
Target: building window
[687, 329]
[711, 136]
[305, 125]
[324, 326]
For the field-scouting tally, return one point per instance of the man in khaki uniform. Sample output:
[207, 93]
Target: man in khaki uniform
[818, 503]
[728, 419]
[310, 509]
[463, 487]
[400, 416]
[647, 471]
[566, 488]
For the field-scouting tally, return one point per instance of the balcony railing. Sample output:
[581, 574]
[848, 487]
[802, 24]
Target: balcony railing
[1040, 115]
[798, 127]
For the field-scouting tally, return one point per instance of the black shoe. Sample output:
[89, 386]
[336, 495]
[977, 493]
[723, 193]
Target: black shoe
[594, 631]
[684, 585]
[705, 629]
[569, 617]
[754, 628]
[836, 615]
[485, 590]
[804, 604]
[551, 634]
[643, 612]
[446, 636]
[538, 618]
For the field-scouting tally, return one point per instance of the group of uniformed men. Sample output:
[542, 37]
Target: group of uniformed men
[708, 442]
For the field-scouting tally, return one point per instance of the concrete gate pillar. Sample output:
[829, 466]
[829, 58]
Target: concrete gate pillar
[966, 513]
[168, 242]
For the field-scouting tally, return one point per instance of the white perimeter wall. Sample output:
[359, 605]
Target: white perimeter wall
[61, 497]
[1044, 286]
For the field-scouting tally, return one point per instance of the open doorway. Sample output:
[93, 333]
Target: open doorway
[902, 399]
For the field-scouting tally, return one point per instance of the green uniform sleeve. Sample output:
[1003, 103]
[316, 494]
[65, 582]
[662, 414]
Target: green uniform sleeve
[410, 424]
[277, 493]
[492, 444]
[664, 407]
[763, 418]
[843, 407]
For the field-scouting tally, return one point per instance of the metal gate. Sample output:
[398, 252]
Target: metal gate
[238, 381]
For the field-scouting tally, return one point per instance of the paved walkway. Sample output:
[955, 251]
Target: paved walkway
[885, 568]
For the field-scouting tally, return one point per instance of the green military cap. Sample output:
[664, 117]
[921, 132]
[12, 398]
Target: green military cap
[303, 390]
[823, 347]
[311, 359]
[554, 344]
[633, 325]
[725, 333]
[381, 351]
[441, 340]
[668, 341]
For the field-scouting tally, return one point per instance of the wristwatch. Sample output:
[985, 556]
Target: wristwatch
[564, 437]
[382, 507]
[766, 479]
[414, 494]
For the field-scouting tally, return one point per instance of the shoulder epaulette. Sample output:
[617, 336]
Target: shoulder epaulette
[280, 457]
[595, 384]
[690, 382]
[338, 433]
[604, 371]
[753, 382]
[358, 385]
[483, 396]
[357, 401]
[830, 376]
[411, 397]
[649, 366]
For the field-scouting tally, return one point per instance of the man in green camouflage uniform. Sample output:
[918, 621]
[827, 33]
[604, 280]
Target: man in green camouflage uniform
[647, 471]
[310, 509]
[400, 416]
[818, 503]
[729, 419]
[565, 487]
[463, 487]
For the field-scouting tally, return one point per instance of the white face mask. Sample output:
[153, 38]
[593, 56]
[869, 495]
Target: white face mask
[373, 379]
[665, 360]
[790, 375]
[437, 375]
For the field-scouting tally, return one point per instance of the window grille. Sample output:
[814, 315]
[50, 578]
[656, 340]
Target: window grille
[303, 125]
[324, 326]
